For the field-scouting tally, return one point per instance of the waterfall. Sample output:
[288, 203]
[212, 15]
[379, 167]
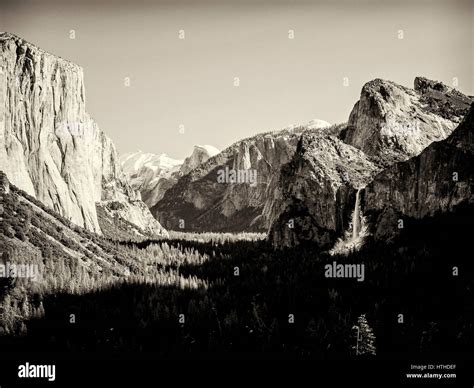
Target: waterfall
[354, 236]
[356, 226]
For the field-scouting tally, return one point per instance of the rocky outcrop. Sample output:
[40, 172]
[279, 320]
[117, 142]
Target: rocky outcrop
[230, 190]
[442, 100]
[392, 123]
[200, 155]
[49, 146]
[315, 185]
[4, 183]
[436, 181]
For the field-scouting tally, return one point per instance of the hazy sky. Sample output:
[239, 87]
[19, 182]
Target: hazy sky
[283, 81]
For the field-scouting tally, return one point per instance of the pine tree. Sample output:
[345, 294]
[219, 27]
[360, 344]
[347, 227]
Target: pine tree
[25, 307]
[40, 310]
[22, 330]
[365, 339]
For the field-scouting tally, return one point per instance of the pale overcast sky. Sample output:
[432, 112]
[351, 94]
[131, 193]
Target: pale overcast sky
[282, 81]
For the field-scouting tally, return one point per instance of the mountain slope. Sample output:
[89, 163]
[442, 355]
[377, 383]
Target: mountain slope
[228, 193]
[389, 125]
[50, 146]
[69, 259]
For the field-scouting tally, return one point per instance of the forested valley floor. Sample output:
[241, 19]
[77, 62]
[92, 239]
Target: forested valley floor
[208, 294]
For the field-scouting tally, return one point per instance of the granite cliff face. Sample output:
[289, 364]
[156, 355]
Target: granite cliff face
[50, 147]
[229, 191]
[315, 186]
[436, 181]
[392, 123]
[389, 126]
[152, 175]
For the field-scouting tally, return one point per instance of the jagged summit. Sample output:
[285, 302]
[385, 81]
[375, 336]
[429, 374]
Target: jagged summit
[423, 84]
[5, 35]
[392, 123]
[442, 100]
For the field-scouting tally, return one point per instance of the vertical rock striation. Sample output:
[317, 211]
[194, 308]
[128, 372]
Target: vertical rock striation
[49, 146]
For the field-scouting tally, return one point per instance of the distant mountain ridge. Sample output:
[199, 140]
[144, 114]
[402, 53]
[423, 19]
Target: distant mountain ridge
[389, 124]
[152, 174]
[200, 202]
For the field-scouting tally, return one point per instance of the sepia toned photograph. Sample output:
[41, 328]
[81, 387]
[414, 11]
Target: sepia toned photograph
[236, 180]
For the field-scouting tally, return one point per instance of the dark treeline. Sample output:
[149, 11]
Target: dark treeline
[279, 302]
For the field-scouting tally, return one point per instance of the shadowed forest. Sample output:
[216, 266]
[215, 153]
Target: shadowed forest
[230, 296]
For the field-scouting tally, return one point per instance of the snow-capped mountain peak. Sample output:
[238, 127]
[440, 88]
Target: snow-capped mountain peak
[133, 162]
[153, 174]
[318, 124]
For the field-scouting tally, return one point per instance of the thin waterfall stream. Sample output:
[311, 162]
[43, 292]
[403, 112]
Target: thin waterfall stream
[356, 224]
[355, 234]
